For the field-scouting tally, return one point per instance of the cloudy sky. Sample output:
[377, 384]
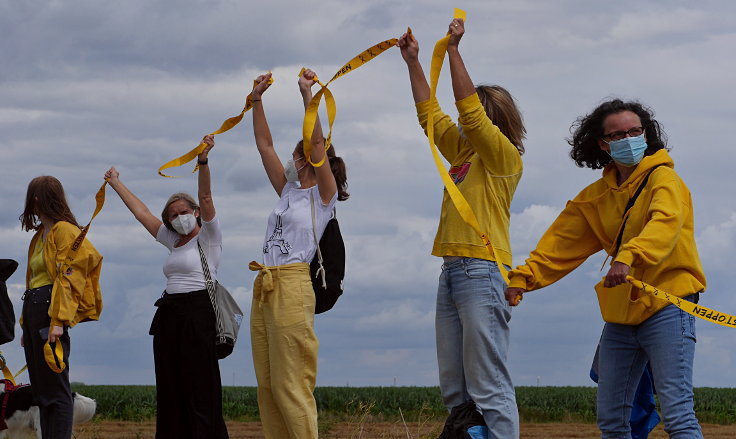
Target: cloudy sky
[85, 85]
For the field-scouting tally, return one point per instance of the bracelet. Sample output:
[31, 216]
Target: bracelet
[202, 162]
[255, 100]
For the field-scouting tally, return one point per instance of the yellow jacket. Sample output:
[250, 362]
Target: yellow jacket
[76, 295]
[486, 167]
[658, 241]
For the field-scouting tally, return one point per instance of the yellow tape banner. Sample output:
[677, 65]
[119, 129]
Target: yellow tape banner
[310, 114]
[461, 204]
[704, 313]
[226, 126]
[72, 253]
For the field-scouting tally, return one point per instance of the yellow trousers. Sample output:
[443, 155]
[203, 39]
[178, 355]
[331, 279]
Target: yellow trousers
[284, 350]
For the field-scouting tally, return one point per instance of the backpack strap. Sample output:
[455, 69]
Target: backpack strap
[321, 269]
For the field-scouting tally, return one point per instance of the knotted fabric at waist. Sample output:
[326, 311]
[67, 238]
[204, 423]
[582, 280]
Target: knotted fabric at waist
[268, 275]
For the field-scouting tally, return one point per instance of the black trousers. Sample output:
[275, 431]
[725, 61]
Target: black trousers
[188, 387]
[51, 390]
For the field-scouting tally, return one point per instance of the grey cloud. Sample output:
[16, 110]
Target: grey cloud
[87, 85]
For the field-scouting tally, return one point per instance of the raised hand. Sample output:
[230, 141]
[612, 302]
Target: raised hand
[409, 47]
[307, 80]
[456, 32]
[112, 175]
[261, 86]
[209, 139]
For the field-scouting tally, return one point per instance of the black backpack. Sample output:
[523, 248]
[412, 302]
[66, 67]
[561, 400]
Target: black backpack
[7, 316]
[328, 284]
[462, 418]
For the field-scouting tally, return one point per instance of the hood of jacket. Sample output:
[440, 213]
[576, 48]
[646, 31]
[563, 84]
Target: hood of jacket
[659, 158]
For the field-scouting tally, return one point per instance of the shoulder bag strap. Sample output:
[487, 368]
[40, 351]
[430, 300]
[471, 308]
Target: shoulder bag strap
[629, 205]
[321, 269]
[210, 286]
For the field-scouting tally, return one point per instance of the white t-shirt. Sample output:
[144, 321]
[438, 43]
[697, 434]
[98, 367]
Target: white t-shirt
[289, 236]
[183, 267]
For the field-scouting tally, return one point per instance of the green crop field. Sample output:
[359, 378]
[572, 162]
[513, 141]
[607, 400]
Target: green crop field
[536, 404]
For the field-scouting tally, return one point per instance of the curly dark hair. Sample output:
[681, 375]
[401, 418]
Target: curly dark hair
[588, 130]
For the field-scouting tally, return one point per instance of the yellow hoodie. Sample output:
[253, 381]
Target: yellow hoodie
[76, 295]
[486, 167]
[658, 241]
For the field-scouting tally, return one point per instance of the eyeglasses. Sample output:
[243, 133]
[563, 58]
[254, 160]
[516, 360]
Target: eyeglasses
[618, 135]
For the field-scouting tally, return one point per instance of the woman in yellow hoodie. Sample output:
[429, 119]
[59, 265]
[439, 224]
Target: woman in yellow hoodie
[655, 244]
[472, 317]
[53, 301]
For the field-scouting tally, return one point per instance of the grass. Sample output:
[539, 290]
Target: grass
[359, 405]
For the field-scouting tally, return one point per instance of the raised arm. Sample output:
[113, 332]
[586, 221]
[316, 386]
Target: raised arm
[446, 135]
[495, 150]
[409, 47]
[462, 85]
[325, 179]
[136, 206]
[206, 205]
[264, 141]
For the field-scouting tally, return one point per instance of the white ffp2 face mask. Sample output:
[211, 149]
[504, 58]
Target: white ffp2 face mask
[291, 172]
[184, 224]
[292, 175]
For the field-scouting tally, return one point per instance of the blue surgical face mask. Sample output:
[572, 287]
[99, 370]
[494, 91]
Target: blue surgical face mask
[628, 151]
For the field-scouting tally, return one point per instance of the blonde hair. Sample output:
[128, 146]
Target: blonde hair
[501, 108]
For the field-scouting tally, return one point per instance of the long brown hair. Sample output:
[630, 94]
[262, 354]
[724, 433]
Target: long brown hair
[337, 165]
[503, 112]
[45, 196]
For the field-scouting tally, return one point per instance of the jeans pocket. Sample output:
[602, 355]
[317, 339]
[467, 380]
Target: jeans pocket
[477, 269]
[688, 325]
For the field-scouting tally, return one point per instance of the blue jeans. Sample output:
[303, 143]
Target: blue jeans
[472, 325]
[667, 341]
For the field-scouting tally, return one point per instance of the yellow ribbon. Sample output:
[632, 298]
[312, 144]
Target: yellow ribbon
[72, 253]
[54, 357]
[310, 114]
[22, 369]
[461, 204]
[226, 126]
[6, 371]
[703, 312]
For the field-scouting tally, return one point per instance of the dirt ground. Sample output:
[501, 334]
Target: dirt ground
[377, 430]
